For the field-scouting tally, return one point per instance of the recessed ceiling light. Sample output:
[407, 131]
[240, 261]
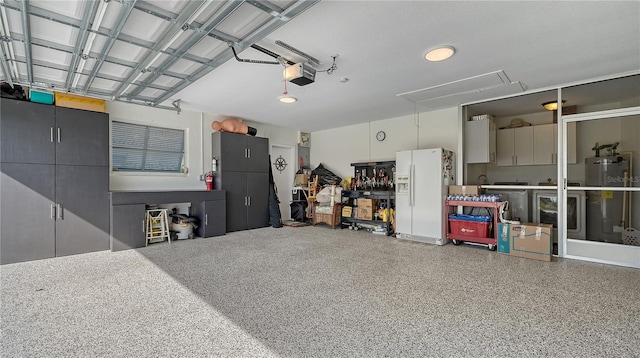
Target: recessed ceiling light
[287, 99]
[439, 54]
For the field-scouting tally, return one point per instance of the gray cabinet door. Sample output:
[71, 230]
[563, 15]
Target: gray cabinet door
[82, 137]
[258, 160]
[258, 192]
[128, 227]
[82, 193]
[231, 151]
[214, 219]
[27, 224]
[27, 132]
[235, 184]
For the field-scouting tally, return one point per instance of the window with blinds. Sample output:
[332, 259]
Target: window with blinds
[145, 148]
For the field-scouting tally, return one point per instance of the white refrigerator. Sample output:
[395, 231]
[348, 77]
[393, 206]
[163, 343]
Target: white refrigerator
[422, 180]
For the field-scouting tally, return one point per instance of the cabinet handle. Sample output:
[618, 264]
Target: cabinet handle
[249, 200]
[60, 213]
[143, 226]
[59, 134]
[52, 135]
[206, 219]
[249, 153]
[246, 153]
[245, 201]
[53, 208]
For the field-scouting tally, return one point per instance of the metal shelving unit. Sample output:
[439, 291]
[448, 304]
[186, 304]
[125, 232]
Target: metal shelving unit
[386, 196]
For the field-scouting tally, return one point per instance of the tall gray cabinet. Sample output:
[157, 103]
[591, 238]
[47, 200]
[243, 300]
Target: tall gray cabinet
[54, 181]
[243, 172]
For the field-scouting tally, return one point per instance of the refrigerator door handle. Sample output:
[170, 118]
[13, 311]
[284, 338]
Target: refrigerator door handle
[412, 169]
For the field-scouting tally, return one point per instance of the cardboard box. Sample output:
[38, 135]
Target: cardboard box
[366, 203]
[565, 110]
[346, 211]
[302, 179]
[532, 241]
[365, 213]
[465, 189]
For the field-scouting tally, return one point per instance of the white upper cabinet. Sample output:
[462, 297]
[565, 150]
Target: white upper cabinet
[515, 146]
[480, 141]
[545, 143]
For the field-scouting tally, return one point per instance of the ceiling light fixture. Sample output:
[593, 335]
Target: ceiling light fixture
[552, 105]
[439, 54]
[285, 98]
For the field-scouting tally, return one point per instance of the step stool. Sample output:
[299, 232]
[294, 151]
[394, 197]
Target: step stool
[157, 226]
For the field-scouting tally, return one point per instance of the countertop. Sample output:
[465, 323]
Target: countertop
[520, 187]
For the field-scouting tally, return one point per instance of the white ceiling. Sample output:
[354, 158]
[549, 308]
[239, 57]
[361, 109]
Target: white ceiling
[502, 48]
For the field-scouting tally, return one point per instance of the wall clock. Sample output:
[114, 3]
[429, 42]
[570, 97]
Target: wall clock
[381, 135]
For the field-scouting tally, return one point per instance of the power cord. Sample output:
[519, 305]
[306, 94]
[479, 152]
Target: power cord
[333, 67]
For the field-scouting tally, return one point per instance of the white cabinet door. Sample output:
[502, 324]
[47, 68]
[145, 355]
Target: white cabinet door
[480, 141]
[505, 144]
[523, 145]
[544, 144]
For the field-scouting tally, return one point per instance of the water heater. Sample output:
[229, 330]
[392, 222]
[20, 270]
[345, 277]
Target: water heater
[607, 210]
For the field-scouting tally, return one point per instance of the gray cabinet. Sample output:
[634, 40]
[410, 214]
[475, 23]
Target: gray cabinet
[82, 137]
[243, 172]
[127, 226]
[27, 223]
[128, 213]
[258, 200]
[55, 181]
[82, 198]
[27, 131]
[213, 214]
[240, 153]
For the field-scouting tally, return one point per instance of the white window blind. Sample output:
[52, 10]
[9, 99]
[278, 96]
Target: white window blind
[145, 148]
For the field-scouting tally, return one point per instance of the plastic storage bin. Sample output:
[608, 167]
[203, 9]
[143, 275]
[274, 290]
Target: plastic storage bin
[41, 97]
[472, 226]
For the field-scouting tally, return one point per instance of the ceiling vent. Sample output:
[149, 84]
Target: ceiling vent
[469, 89]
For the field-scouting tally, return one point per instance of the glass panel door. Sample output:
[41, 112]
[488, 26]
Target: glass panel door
[602, 197]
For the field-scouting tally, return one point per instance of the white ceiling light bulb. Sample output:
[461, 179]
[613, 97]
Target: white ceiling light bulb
[439, 54]
[287, 99]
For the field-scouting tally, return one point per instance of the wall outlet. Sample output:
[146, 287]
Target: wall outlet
[201, 177]
[617, 228]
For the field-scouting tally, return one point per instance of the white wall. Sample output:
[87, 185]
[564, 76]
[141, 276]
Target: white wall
[337, 148]
[197, 145]
[188, 121]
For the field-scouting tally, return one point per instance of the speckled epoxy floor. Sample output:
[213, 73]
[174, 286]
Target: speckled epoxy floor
[316, 292]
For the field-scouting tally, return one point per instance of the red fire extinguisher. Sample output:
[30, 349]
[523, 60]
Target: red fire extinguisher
[208, 178]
